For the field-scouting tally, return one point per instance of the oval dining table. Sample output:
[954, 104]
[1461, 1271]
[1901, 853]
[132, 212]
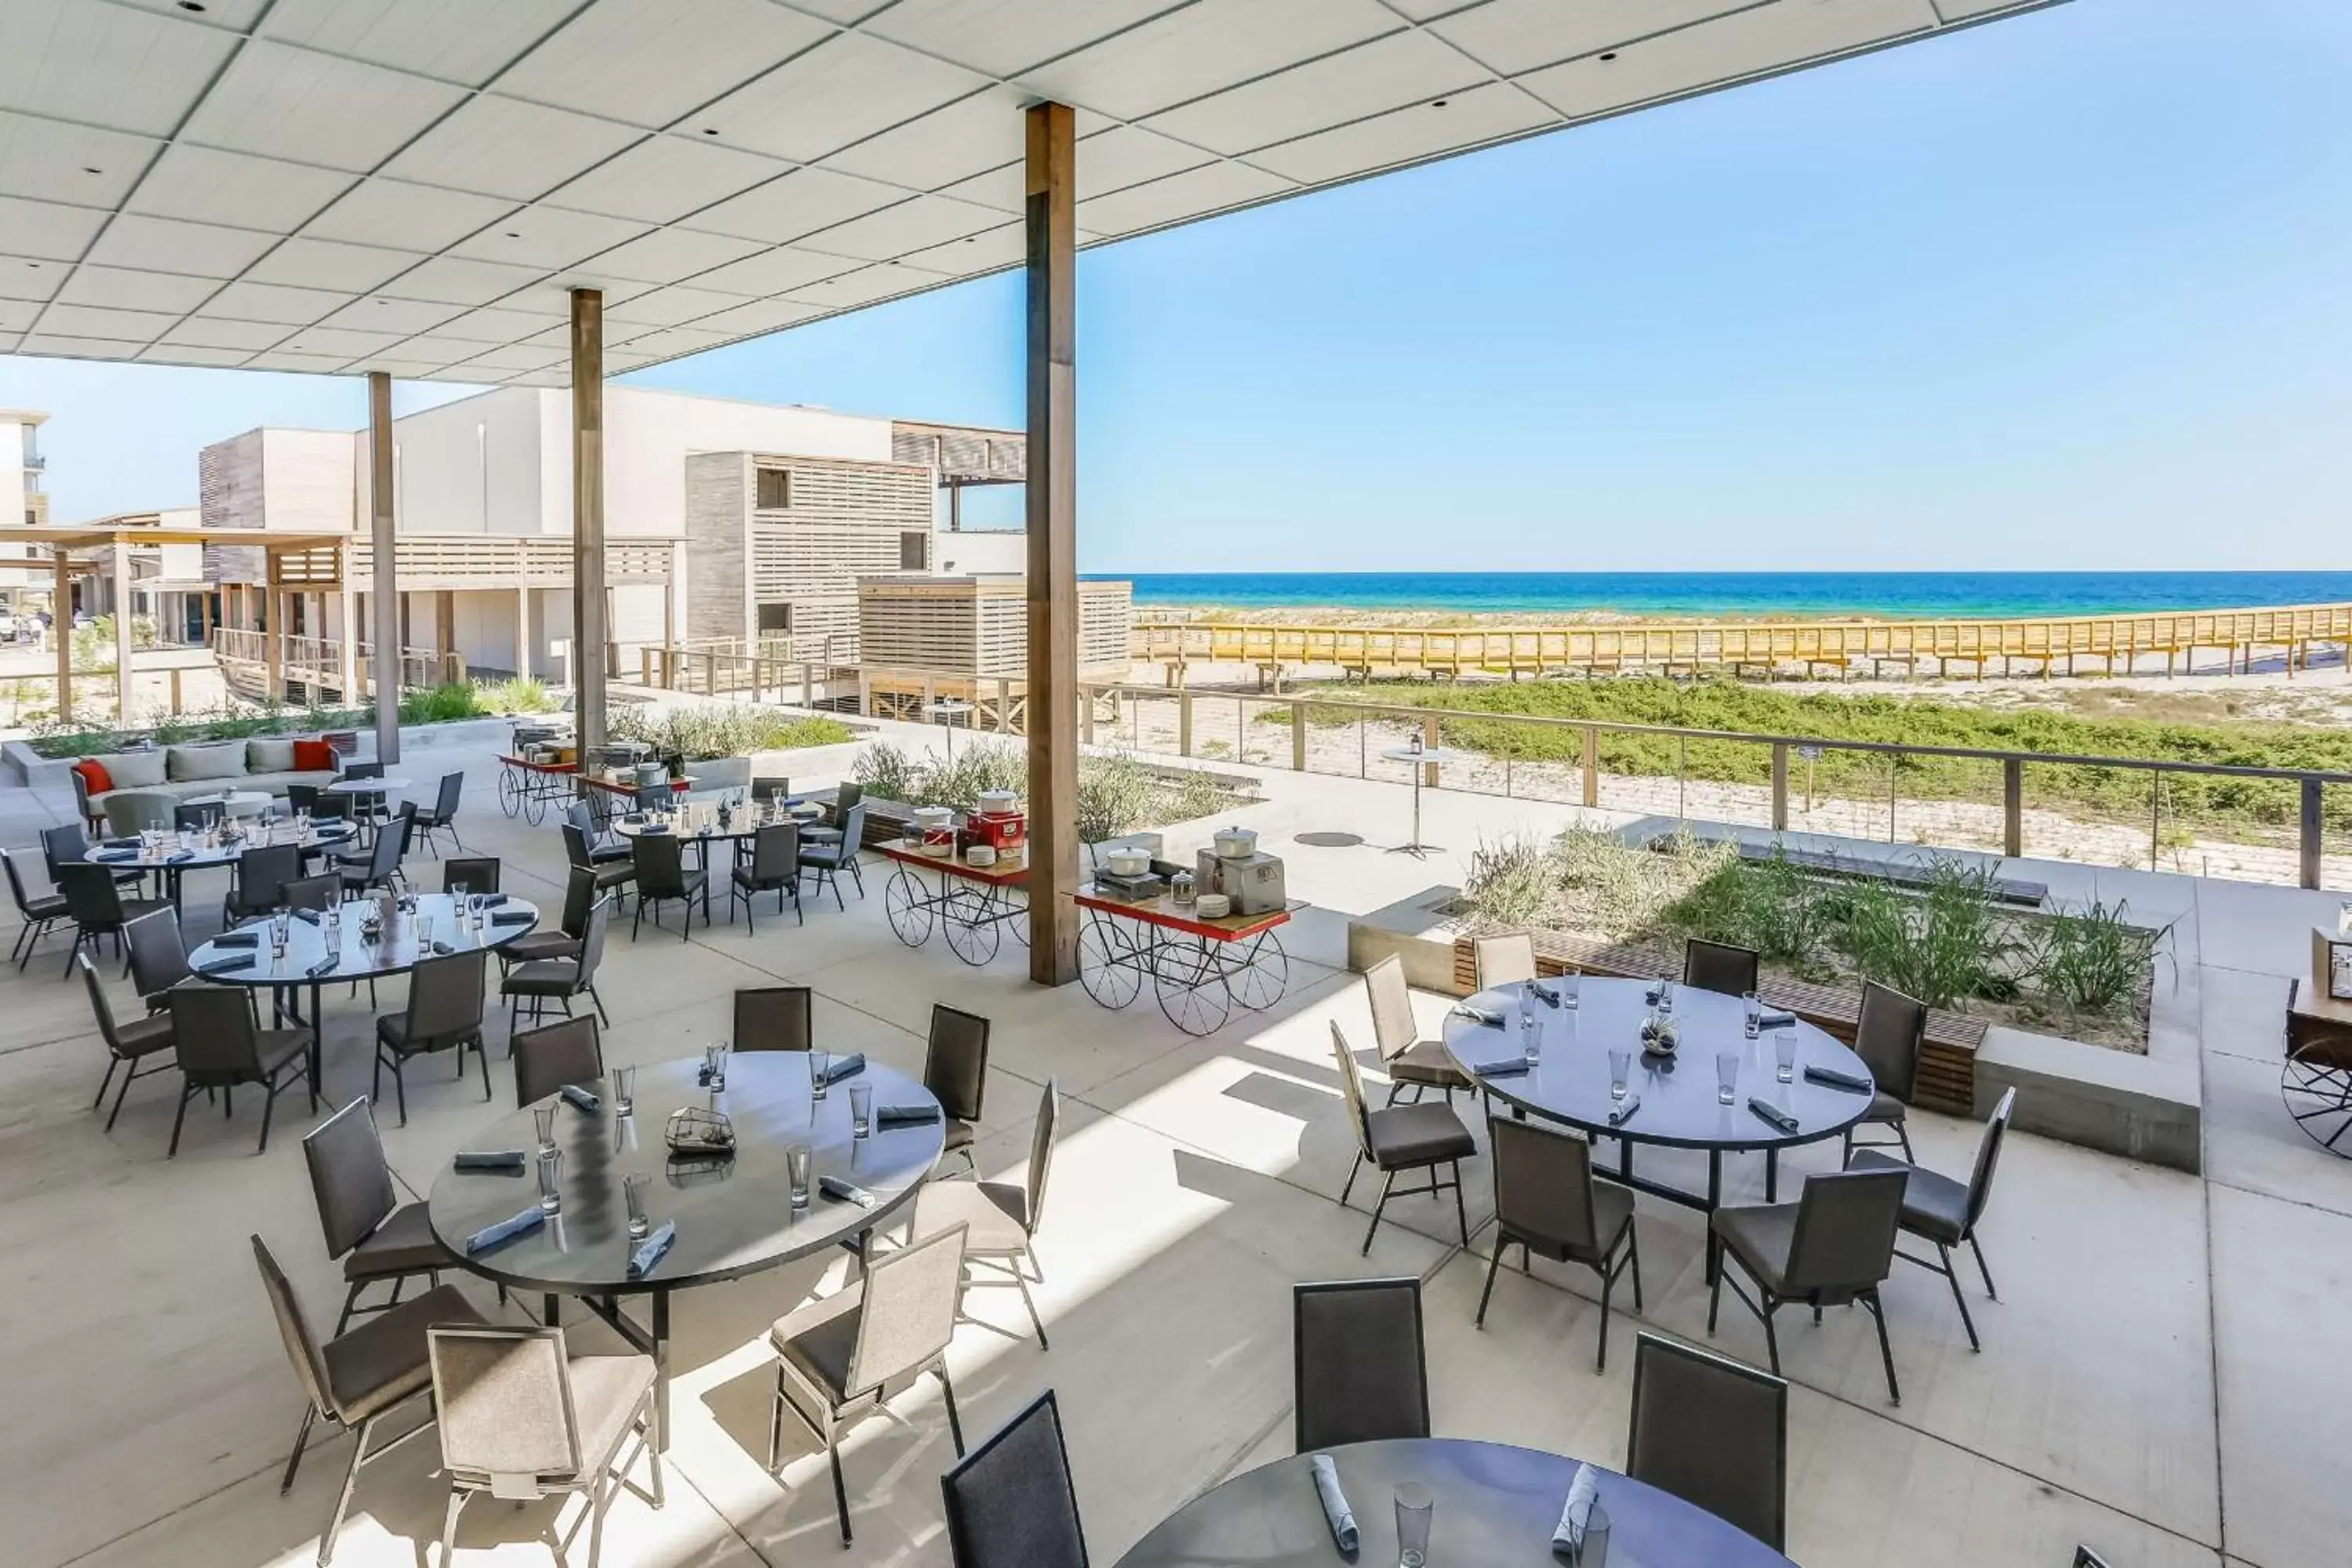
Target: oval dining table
[177, 855]
[1495, 1507]
[734, 1213]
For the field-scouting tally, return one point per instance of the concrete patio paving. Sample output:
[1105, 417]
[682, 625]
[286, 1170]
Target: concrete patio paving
[2164, 1375]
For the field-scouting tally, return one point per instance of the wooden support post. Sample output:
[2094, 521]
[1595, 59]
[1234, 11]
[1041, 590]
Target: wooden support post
[2012, 805]
[1053, 518]
[1299, 737]
[177, 702]
[2312, 835]
[444, 628]
[522, 631]
[1086, 717]
[273, 641]
[61, 627]
[123, 674]
[1591, 765]
[808, 686]
[1779, 786]
[385, 666]
[1429, 740]
[589, 622]
[1184, 723]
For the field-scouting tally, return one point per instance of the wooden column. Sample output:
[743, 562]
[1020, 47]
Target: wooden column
[444, 628]
[347, 667]
[387, 587]
[61, 627]
[273, 641]
[1053, 581]
[589, 620]
[121, 568]
[522, 630]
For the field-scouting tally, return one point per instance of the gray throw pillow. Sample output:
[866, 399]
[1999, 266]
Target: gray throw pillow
[269, 756]
[134, 770]
[215, 762]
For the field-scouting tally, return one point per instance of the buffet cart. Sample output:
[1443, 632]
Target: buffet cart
[1198, 967]
[971, 905]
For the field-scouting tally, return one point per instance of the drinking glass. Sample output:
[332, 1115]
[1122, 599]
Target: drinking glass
[624, 1091]
[714, 1063]
[819, 1063]
[1530, 1037]
[1620, 1069]
[281, 931]
[1755, 1013]
[424, 932]
[544, 1116]
[798, 1158]
[1666, 996]
[1784, 1053]
[632, 1190]
[861, 1109]
[1415, 1505]
[551, 1180]
[457, 898]
[1568, 987]
[1727, 1076]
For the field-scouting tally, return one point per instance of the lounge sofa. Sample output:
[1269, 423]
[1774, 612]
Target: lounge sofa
[264, 764]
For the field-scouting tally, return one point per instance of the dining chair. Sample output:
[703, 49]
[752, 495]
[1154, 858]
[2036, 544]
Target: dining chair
[441, 816]
[475, 873]
[378, 865]
[218, 1046]
[378, 1238]
[561, 1054]
[258, 886]
[612, 875]
[772, 1018]
[129, 811]
[827, 860]
[443, 1013]
[767, 786]
[1713, 1432]
[199, 819]
[367, 806]
[356, 1379]
[522, 1418]
[64, 846]
[132, 1046]
[579, 898]
[836, 1356]
[664, 877]
[1010, 1502]
[1720, 967]
[1887, 1037]
[316, 894]
[1000, 1219]
[1401, 1137]
[159, 956]
[827, 828]
[1359, 1372]
[1944, 1214]
[95, 901]
[39, 914]
[774, 868]
[955, 1070]
[1546, 1201]
[1503, 959]
[545, 980]
[596, 848]
[321, 805]
[1405, 1055]
[1834, 1247]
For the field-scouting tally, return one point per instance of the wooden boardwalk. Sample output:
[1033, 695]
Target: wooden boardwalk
[2044, 643]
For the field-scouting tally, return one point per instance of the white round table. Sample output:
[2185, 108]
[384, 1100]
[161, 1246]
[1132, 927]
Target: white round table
[366, 787]
[1434, 756]
[236, 801]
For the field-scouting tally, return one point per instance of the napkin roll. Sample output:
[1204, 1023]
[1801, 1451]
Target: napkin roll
[489, 1235]
[1772, 1113]
[1836, 1078]
[905, 1115]
[648, 1255]
[845, 1191]
[1336, 1511]
[844, 1066]
[1581, 1494]
[580, 1098]
[505, 1162]
[1622, 1111]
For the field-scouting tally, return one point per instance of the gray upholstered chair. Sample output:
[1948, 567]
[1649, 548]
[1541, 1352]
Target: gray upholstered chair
[1360, 1373]
[1713, 1432]
[1886, 1037]
[545, 980]
[1401, 1137]
[774, 868]
[95, 901]
[1834, 1246]
[522, 1418]
[1000, 1220]
[63, 846]
[596, 848]
[128, 811]
[316, 894]
[563, 941]
[379, 1238]
[665, 878]
[201, 817]
[1010, 1502]
[142, 1046]
[955, 1070]
[826, 860]
[219, 1047]
[1546, 1201]
[39, 913]
[159, 956]
[547, 1059]
[772, 1018]
[1944, 1214]
[475, 873]
[1405, 1056]
[378, 865]
[441, 816]
[443, 1013]
[356, 1379]
[1718, 966]
[259, 888]
[828, 830]
[836, 1356]
[1502, 960]
[616, 874]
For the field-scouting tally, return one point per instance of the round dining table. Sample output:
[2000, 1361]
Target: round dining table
[733, 1213]
[177, 854]
[1495, 1506]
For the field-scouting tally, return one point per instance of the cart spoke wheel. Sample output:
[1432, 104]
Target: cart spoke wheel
[2317, 1088]
[1191, 986]
[910, 915]
[1259, 973]
[509, 791]
[1019, 923]
[1109, 965]
[534, 805]
[969, 924]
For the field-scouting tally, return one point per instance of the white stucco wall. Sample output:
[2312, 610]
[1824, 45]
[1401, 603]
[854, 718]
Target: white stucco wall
[468, 466]
[980, 553]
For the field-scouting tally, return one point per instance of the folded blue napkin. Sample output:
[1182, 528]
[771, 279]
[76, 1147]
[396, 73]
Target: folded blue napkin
[845, 1191]
[1837, 1078]
[309, 917]
[844, 1066]
[512, 917]
[442, 949]
[492, 901]
[1772, 1113]
[634, 818]
[237, 939]
[176, 855]
[649, 1252]
[326, 965]
[504, 1162]
[657, 827]
[580, 1098]
[225, 965]
[490, 1236]
[1776, 1020]
[905, 1115]
[1622, 1111]
[1336, 1512]
[1493, 1020]
[1510, 1067]
[126, 853]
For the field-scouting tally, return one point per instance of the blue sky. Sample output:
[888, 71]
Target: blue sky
[2064, 291]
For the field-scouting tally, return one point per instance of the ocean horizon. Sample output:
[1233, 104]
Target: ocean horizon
[1931, 595]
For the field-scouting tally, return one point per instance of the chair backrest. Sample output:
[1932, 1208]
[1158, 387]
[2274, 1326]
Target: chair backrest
[2086, 1558]
[1361, 1372]
[15, 882]
[772, 1018]
[592, 941]
[908, 1314]
[294, 1332]
[159, 958]
[405, 820]
[128, 810]
[579, 898]
[503, 1397]
[580, 814]
[352, 770]
[212, 1033]
[1393, 1030]
[1886, 1037]
[763, 786]
[1010, 1502]
[1713, 1432]
[444, 995]
[955, 1061]
[656, 796]
[99, 1004]
[390, 844]
[91, 897]
[1042, 1135]
[262, 873]
[197, 818]
[300, 797]
[1352, 1090]
[451, 786]
[776, 852]
[475, 873]
[1502, 960]
[853, 830]
[845, 798]
[1543, 1183]
[660, 873]
[1844, 1239]
[326, 807]
[350, 1180]
[321, 892]
[1719, 966]
[62, 845]
[1988, 1157]
[547, 1059]
[575, 844]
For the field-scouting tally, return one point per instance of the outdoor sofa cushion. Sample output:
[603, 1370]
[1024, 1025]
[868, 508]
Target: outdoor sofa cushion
[189, 764]
[132, 769]
[269, 754]
[312, 757]
[95, 780]
[263, 784]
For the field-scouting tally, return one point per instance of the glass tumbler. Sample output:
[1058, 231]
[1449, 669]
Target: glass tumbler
[1531, 1038]
[798, 1159]
[1784, 1055]
[1621, 1070]
[633, 1189]
[1754, 1010]
[551, 1180]
[624, 1091]
[1727, 1076]
[1414, 1506]
[544, 1116]
[1666, 996]
[819, 1063]
[861, 1109]
[1568, 987]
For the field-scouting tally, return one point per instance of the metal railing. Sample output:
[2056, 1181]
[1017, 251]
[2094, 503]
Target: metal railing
[317, 661]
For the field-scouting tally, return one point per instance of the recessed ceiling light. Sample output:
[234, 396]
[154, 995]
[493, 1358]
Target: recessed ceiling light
[92, 169]
[710, 130]
[514, 234]
[1610, 56]
[1439, 104]
[191, 4]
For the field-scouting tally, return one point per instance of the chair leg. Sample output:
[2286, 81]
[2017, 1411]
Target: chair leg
[1771, 1340]
[1886, 1350]
[776, 1421]
[1343, 1190]
[1903, 1133]
[947, 1392]
[120, 1094]
[1714, 1293]
[1600, 1355]
[1634, 1260]
[302, 1437]
[1953, 1280]
[268, 1109]
[343, 1499]
[840, 1486]
[1035, 1321]
[187, 1093]
[449, 1524]
[351, 1301]
[1373, 1229]
[1976, 1247]
[653, 1452]
[1493, 1263]
[400, 1087]
[104, 1084]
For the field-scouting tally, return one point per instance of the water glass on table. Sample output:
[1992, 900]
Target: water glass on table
[799, 1159]
[861, 1109]
[1753, 1009]
[551, 1180]
[632, 1190]
[1414, 1507]
[1567, 985]
[1621, 1072]
[1784, 1052]
[819, 1064]
[544, 1116]
[1727, 1076]
[624, 1091]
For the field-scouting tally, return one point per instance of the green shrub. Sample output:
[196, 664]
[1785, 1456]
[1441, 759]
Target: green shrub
[1117, 793]
[214, 724]
[1942, 946]
[1511, 882]
[2091, 964]
[723, 730]
[442, 704]
[522, 694]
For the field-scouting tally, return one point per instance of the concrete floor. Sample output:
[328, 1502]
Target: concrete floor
[2164, 1375]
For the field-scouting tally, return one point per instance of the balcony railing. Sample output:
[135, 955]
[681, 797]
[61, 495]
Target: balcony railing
[317, 661]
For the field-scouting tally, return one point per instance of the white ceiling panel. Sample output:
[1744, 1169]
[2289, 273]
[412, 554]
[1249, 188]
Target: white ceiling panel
[671, 307]
[314, 364]
[914, 224]
[119, 289]
[865, 286]
[398, 369]
[663, 178]
[433, 348]
[515, 358]
[1108, 161]
[1515, 36]
[104, 65]
[286, 103]
[1386, 73]
[1745, 43]
[15, 315]
[171, 245]
[553, 297]
[202, 183]
[237, 16]
[669, 255]
[548, 237]
[649, 61]
[401, 216]
[92, 321]
[185, 354]
[54, 162]
[496, 326]
[949, 145]
[975, 252]
[799, 202]
[1202, 49]
[22, 278]
[1962, 10]
[841, 11]
[758, 316]
[467, 41]
[337, 341]
[844, 90]
[776, 271]
[250, 336]
[1003, 37]
[76, 348]
[674, 340]
[377, 314]
[331, 264]
[456, 280]
[1424, 131]
[48, 229]
[503, 147]
[274, 302]
[1210, 188]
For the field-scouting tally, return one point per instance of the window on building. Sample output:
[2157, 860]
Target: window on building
[775, 488]
[775, 618]
[914, 552]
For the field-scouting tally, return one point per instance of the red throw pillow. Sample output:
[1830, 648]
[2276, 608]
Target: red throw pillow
[94, 776]
[313, 757]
